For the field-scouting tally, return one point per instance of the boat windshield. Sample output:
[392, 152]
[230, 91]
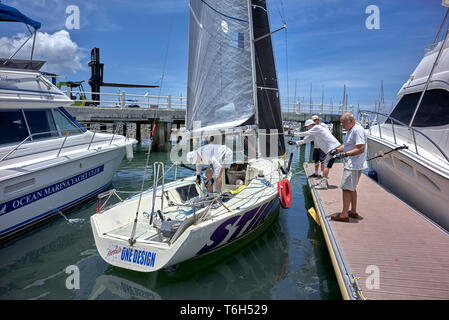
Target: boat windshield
[16, 125]
[434, 109]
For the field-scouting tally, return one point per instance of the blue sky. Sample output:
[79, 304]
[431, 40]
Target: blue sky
[327, 41]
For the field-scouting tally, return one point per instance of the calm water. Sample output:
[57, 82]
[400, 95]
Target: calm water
[288, 261]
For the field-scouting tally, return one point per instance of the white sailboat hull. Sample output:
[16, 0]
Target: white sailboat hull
[196, 242]
[112, 230]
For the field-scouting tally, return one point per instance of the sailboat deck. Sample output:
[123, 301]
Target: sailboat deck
[406, 248]
[142, 231]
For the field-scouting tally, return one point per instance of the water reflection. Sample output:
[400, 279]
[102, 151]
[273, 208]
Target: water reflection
[248, 274]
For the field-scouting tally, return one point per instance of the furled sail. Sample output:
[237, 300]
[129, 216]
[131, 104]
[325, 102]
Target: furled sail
[220, 80]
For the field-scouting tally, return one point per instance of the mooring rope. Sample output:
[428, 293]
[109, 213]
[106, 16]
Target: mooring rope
[385, 153]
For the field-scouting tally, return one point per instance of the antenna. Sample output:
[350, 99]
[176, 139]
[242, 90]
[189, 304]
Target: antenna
[310, 97]
[322, 96]
[294, 97]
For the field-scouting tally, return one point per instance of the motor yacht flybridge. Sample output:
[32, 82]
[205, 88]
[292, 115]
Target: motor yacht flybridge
[48, 161]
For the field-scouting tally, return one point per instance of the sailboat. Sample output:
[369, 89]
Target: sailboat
[233, 90]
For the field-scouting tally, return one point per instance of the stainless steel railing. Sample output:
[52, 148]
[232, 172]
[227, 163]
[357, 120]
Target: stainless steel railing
[364, 116]
[126, 100]
[66, 134]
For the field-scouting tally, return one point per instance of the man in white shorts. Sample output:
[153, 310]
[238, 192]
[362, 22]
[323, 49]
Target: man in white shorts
[214, 155]
[353, 153]
[324, 140]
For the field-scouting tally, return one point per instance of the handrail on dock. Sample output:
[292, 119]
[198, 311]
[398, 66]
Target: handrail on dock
[179, 102]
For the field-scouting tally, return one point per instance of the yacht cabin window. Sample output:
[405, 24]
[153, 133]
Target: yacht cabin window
[434, 109]
[12, 126]
[16, 125]
[41, 123]
[64, 124]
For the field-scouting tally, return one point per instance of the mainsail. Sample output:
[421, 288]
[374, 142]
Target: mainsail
[269, 107]
[220, 82]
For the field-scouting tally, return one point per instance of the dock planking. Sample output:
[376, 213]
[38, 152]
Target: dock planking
[408, 250]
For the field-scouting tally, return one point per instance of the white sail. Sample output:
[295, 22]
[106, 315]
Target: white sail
[220, 78]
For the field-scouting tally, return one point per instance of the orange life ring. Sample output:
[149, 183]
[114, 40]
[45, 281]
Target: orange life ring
[285, 193]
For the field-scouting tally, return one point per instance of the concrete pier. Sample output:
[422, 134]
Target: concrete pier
[165, 119]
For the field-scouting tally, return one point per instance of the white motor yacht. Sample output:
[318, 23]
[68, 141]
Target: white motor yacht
[410, 146]
[48, 161]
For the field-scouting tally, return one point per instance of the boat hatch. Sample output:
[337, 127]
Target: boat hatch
[187, 192]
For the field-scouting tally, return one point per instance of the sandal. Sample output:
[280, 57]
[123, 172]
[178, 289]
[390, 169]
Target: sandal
[338, 218]
[354, 215]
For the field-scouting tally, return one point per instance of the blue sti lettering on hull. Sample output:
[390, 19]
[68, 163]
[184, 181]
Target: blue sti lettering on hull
[136, 256]
[20, 202]
[252, 218]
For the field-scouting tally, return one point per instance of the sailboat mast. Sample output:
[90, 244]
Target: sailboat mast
[253, 65]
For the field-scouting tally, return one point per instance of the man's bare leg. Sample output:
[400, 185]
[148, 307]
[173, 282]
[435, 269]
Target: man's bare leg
[353, 202]
[219, 180]
[325, 172]
[347, 197]
[209, 176]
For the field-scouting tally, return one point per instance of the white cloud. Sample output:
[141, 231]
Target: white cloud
[63, 55]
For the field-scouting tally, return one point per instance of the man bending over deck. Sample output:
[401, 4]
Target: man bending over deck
[324, 140]
[217, 157]
[353, 153]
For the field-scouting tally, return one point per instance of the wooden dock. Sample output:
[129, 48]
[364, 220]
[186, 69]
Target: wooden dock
[393, 252]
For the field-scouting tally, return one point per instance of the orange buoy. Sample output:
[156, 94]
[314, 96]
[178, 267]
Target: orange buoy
[285, 193]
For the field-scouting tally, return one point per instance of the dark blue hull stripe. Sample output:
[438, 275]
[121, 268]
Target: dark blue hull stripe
[56, 209]
[24, 200]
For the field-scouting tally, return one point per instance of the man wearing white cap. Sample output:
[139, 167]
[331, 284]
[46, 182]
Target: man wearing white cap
[318, 154]
[214, 155]
[324, 140]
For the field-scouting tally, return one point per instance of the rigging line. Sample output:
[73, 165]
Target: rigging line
[283, 12]
[441, 27]
[195, 17]
[132, 239]
[223, 14]
[166, 52]
[282, 15]
[286, 66]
